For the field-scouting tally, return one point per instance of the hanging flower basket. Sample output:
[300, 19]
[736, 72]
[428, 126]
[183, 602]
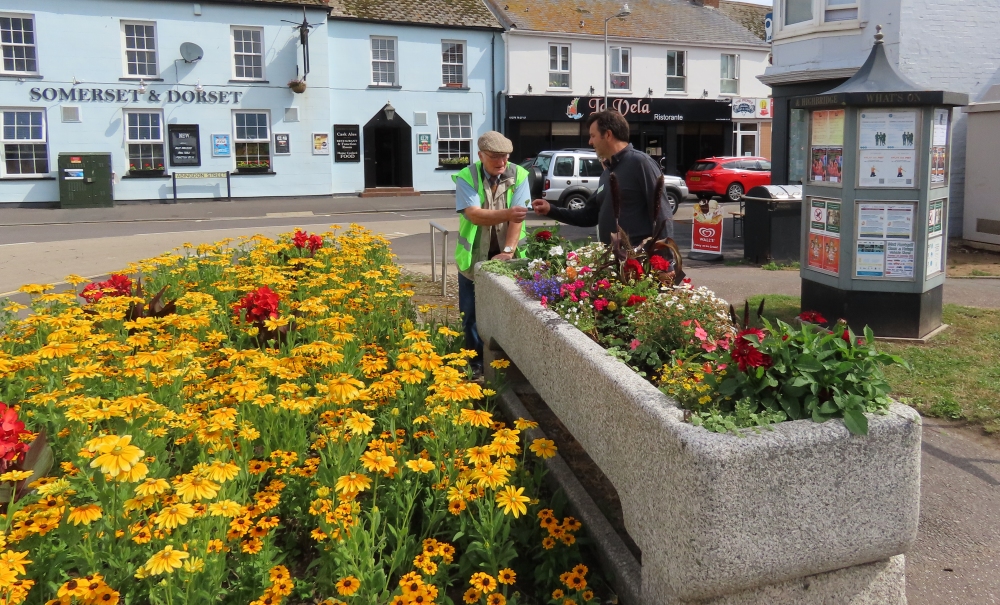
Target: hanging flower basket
[297, 86]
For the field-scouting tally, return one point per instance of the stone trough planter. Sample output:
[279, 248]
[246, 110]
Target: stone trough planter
[804, 514]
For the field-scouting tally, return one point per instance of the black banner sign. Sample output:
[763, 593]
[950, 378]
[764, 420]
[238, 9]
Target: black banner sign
[565, 109]
[185, 147]
[346, 143]
[282, 146]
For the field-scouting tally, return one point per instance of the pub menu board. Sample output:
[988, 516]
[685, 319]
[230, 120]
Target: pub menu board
[885, 245]
[185, 147]
[282, 144]
[887, 156]
[939, 147]
[346, 143]
[824, 235]
[826, 151]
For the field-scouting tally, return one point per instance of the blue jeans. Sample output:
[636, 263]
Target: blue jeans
[467, 306]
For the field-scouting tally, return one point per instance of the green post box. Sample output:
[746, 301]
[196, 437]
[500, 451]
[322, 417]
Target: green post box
[85, 180]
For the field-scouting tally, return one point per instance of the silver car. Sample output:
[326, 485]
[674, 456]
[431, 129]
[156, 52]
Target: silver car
[571, 176]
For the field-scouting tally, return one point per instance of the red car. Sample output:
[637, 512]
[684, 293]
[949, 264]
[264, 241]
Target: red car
[728, 177]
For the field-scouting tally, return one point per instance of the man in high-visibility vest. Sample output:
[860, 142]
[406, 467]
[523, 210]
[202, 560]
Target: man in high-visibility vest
[492, 197]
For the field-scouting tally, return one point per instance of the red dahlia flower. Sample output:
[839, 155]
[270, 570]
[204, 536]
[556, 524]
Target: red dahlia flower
[634, 300]
[746, 353]
[812, 317]
[632, 269]
[543, 236]
[12, 449]
[259, 305]
[659, 263]
[117, 285]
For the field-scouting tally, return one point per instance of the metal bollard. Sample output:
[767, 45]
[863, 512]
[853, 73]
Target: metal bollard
[444, 257]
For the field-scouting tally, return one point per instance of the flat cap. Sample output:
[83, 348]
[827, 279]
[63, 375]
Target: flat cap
[494, 142]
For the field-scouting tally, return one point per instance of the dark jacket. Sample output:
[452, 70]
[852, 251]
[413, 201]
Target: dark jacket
[637, 175]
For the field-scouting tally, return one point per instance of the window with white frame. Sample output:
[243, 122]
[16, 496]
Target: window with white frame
[621, 68]
[840, 10]
[452, 63]
[559, 56]
[252, 140]
[383, 61]
[676, 71]
[17, 42]
[25, 148]
[730, 74]
[248, 53]
[454, 139]
[140, 49]
[804, 16]
[144, 141]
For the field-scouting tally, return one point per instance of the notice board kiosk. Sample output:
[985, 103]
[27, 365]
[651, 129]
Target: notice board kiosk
[875, 202]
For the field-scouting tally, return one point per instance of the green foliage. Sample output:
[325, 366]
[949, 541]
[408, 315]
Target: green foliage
[946, 407]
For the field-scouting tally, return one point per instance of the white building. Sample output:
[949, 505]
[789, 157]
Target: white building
[939, 44]
[674, 69]
[110, 77]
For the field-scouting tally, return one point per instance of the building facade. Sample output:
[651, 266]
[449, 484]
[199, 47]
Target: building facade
[162, 87]
[939, 44]
[414, 85]
[673, 69]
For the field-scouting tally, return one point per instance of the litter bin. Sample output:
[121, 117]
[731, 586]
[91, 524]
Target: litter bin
[85, 180]
[772, 223]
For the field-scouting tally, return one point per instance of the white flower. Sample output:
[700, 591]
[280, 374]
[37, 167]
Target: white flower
[556, 251]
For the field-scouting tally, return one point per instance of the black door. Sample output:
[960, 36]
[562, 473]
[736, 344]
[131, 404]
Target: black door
[385, 158]
[388, 151]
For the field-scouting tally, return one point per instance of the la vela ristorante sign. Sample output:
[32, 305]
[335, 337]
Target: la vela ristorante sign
[132, 95]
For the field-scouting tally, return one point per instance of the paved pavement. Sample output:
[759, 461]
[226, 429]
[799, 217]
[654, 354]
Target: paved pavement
[957, 556]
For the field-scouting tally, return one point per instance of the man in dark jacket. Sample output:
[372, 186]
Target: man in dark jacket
[637, 176]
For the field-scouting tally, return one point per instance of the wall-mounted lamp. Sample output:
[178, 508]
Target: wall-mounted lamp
[529, 88]
[199, 87]
[390, 111]
[591, 90]
[704, 94]
[142, 86]
[650, 92]
[75, 81]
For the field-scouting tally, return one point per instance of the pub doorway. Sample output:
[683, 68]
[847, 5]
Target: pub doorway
[388, 146]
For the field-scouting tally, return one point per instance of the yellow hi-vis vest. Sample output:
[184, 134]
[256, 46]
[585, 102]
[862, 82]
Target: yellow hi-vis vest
[466, 228]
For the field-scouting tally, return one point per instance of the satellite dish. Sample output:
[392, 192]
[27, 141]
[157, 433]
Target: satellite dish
[191, 52]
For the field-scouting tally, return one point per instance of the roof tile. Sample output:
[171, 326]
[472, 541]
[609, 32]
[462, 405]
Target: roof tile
[452, 13]
[671, 20]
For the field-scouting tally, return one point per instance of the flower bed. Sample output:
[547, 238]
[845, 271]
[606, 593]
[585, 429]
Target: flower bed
[270, 426]
[727, 374]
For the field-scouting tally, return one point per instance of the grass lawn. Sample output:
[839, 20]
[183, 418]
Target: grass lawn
[956, 375]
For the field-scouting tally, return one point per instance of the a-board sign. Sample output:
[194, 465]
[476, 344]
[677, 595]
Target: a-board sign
[346, 143]
[185, 148]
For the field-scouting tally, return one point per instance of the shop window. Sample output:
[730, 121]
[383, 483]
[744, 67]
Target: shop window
[730, 74]
[676, 71]
[383, 61]
[140, 49]
[454, 139]
[248, 53]
[144, 140]
[25, 148]
[252, 142]
[621, 68]
[559, 55]
[453, 64]
[17, 43]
